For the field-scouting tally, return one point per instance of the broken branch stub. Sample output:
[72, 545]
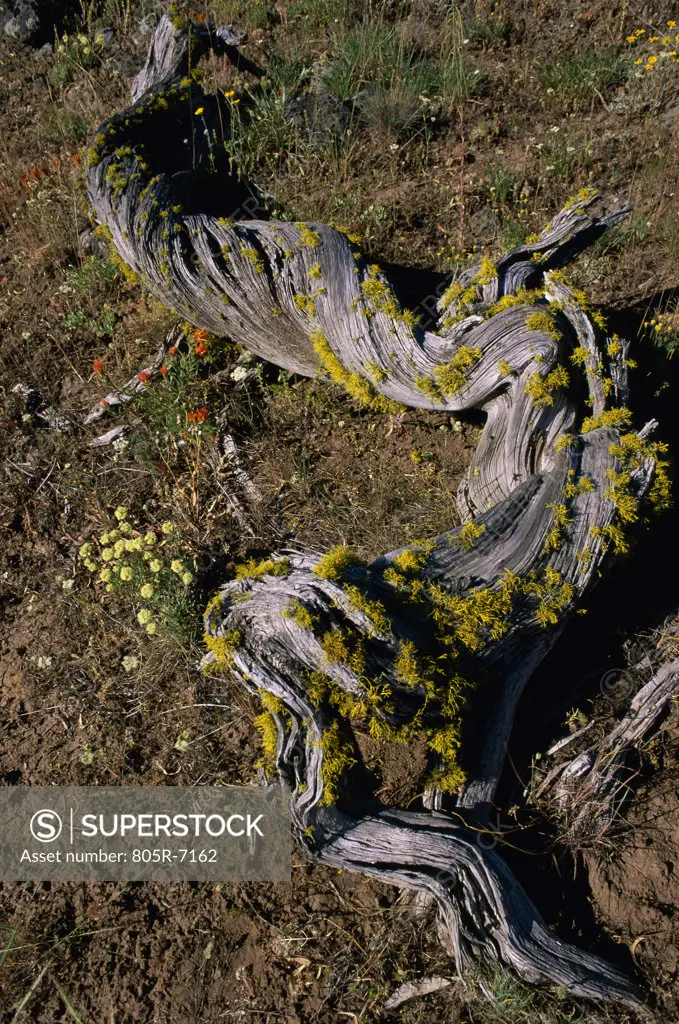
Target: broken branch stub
[405, 645]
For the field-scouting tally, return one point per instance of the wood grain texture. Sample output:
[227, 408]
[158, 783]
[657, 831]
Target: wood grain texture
[302, 297]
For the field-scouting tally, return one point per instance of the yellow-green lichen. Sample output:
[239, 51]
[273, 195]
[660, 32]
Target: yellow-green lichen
[308, 237]
[374, 610]
[487, 272]
[541, 388]
[338, 757]
[543, 323]
[253, 257]
[254, 570]
[449, 378]
[222, 646]
[299, 614]
[620, 417]
[354, 384]
[335, 562]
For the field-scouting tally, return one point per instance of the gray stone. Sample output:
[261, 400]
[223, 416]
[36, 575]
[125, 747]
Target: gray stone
[18, 20]
[319, 112]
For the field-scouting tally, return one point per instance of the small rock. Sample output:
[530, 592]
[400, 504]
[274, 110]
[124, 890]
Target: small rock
[18, 20]
[669, 119]
[91, 244]
[124, 64]
[319, 112]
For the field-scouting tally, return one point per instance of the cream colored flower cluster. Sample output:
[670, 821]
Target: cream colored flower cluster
[142, 562]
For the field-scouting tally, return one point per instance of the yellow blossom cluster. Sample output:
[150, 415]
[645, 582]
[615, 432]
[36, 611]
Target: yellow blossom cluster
[138, 564]
[664, 329]
[662, 48]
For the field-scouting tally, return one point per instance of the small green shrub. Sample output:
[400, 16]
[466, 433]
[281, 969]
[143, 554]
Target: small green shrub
[579, 80]
[374, 53]
[173, 414]
[93, 277]
[101, 326]
[74, 54]
[515, 1002]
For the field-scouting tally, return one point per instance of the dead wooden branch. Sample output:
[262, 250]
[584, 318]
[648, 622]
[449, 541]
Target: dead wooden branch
[404, 644]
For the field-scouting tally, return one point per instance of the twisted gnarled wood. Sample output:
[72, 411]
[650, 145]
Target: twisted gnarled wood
[465, 616]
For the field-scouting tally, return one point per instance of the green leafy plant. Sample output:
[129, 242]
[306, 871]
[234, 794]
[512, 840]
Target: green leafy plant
[171, 417]
[75, 54]
[93, 277]
[101, 325]
[580, 79]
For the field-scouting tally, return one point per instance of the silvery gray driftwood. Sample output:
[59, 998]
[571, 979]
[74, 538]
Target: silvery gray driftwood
[302, 297]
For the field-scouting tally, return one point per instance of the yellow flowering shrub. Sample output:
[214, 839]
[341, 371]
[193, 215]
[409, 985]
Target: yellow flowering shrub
[150, 573]
[657, 51]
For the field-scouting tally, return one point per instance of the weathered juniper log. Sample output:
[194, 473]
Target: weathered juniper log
[439, 637]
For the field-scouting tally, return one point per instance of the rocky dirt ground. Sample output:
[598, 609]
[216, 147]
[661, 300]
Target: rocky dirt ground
[434, 135]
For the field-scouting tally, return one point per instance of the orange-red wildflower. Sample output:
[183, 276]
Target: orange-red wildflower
[198, 415]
